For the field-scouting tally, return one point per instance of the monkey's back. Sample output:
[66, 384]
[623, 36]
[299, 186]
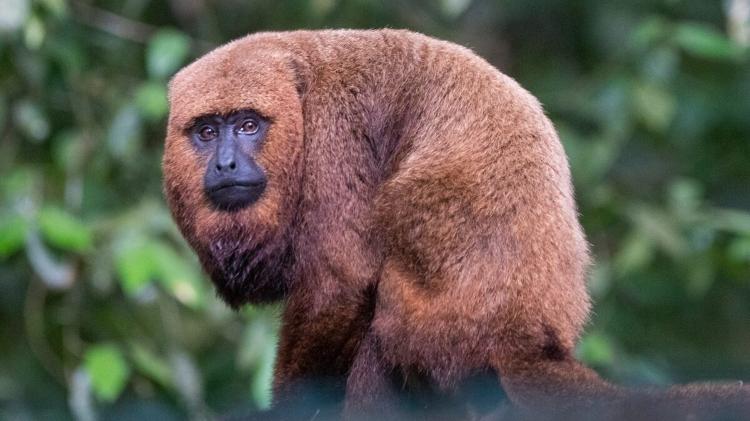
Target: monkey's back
[449, 165]
[475, 209]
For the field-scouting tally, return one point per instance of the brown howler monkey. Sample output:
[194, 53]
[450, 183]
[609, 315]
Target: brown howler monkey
[410, 203]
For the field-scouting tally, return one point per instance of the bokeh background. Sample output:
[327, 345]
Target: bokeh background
[104, 312]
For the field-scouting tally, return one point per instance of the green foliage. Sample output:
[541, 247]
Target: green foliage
[31, 121]
[125, 133]
[104, 310]
[151, 99]
[596, 349]
[166, 52]
[12, 234]
[135, 266]
[151, 365]
[704, 41]
[256, 352]
[108, 371]
[64, 230]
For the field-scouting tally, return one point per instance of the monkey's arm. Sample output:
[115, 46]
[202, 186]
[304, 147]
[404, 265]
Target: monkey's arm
[315, 353]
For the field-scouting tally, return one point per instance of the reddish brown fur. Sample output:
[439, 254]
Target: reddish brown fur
[403, 167]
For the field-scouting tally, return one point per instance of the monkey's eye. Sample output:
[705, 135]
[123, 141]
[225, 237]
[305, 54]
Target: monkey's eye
[207, 133]
[249, 126]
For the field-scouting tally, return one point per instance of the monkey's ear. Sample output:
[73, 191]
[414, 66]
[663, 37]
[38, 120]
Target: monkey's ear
[302, 75]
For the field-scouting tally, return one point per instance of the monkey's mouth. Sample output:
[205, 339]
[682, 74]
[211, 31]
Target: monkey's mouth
[229, 195]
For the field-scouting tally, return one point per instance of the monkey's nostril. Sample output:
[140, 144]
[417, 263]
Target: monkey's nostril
[231, 166]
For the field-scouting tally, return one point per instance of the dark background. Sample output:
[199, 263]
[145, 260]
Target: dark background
[104, 311]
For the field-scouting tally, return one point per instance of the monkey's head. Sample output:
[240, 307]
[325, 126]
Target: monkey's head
[232, 165]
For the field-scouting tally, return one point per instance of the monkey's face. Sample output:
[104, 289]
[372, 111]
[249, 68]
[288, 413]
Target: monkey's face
[232, 162]
[233, 179]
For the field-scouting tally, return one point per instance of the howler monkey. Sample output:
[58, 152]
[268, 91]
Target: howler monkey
[410, 203]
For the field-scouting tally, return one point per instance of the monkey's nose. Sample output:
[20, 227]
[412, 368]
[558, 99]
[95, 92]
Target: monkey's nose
[226, 166]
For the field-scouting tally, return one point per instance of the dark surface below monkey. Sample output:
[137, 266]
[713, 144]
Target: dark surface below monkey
[413, 208]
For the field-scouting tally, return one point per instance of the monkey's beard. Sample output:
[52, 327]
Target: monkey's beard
[246, 269]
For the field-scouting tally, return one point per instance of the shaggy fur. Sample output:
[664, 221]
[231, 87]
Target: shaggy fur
[419, 219]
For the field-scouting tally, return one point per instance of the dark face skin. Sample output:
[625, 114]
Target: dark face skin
[233, 179]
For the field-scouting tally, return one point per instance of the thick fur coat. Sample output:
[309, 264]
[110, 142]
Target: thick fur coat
[419, 219]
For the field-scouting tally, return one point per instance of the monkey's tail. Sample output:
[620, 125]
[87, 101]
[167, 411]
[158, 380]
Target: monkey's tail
[568, 390]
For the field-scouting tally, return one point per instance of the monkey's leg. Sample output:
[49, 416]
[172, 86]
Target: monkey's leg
[317, 349]
[369, 391]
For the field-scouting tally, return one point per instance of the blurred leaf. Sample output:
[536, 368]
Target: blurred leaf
[187, 379]
[612, 105]
[739, 250]
[15, 13]
[257, 334]
[655, 106]
[151, 99]
[58, 8]
[166, 52]
[453, 8]
[595, 349]
[700, 275]
[589, 158]
[649, 31]
[125, 133]
[321, 8]
[661, 65]
[56, 274]
[257, 351]
[3, 111]
[34, 33]
[140, 260]
[12, 234]
[135, 266]
[732, 220]
[151, 365]
[80, 396]
[33, 69]
[659, 227]
[108, 370]
[635, 253]
[704, 41]
[31, 120]
[176, 275]
[68, 150]
[701, 237]
[602, 155]
[64, 230]
[685, 197]
[69, 55]
[600, 280]
[261, 383]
